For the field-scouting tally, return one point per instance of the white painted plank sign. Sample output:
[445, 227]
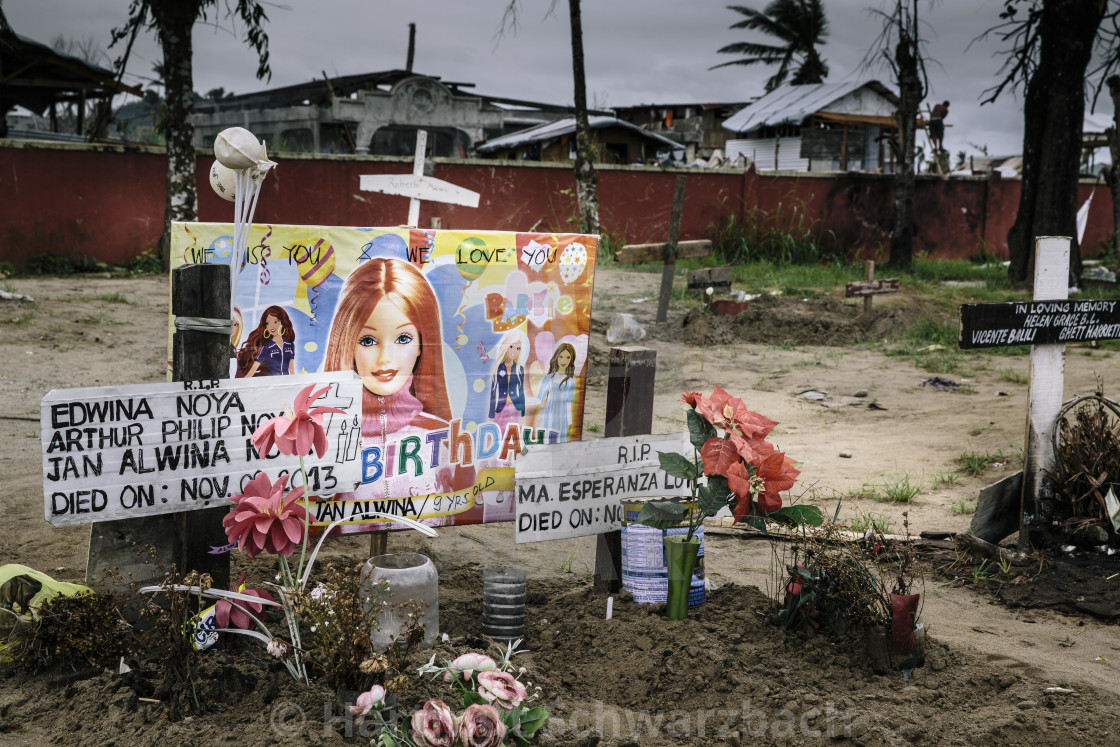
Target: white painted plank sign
[128, 451]
[575, 489]
[418, 188]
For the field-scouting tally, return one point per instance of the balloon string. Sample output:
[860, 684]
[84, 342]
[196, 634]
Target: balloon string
[187, 255]
[459, 313]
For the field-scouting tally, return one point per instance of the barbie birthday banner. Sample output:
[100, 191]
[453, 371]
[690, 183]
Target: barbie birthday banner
[470, 345]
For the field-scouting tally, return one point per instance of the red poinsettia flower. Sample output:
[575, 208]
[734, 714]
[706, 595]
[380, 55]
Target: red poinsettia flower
[732, 415]
[718, 455]
[752, 452]
[266, 519]
[739, 483]
[777, 474]
[229, 616]
[298, 430]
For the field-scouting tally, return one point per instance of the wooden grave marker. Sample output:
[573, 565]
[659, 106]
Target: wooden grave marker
[668, 252]
[1046, 323]
[870, 287]
[128, 452]
[716, 278]
[418, 187]
[575, 489]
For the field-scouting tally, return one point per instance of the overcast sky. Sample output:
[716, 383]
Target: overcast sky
[637, 51]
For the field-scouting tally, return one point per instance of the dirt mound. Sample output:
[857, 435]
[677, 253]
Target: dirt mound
[776, 321]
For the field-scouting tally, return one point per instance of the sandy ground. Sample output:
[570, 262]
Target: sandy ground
[92, 331]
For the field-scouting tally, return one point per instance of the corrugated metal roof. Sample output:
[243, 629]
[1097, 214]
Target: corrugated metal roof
[791, 104]
[561, 127]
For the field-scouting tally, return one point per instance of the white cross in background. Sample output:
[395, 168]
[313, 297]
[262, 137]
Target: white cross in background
[418, 187]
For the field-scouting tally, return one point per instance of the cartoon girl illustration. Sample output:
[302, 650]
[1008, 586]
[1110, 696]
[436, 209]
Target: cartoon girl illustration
[386, 328]
[507, 387]
[238, 326]
[271, 347]
[557, 392]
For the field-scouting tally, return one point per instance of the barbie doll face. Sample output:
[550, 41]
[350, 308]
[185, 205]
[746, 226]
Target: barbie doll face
[513, 353]
[273, 327]
[563, 360]
[387, 349]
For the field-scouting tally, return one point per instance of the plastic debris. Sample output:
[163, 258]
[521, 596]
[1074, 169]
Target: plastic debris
[941, 385]
[624, 328]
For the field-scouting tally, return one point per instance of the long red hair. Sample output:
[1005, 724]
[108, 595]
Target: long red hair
[410, 292]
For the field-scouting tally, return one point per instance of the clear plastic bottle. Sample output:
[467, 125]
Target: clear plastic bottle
[503, 603]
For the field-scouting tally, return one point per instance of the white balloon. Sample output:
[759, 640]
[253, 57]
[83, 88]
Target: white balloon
[237, 148]
[224, 181]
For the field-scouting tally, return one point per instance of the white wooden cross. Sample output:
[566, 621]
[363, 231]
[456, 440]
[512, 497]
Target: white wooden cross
[418, 187]
[1046, 323]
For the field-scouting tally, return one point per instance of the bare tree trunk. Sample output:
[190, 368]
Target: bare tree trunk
[1112, 173]
[910, 94]
[174, 23]
[587, 180]
[1054, 110]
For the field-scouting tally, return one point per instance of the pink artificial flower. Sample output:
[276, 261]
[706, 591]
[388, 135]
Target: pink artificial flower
[367, 701]
[502, 689]
[296, 431]
[481, 726]
[265, 519]
[435, 725]
[467, 664]
[227, 615]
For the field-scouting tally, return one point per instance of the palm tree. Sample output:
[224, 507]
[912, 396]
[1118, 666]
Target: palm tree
[799, 24]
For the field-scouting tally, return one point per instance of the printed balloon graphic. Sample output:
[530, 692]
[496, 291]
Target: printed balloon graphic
[315, 264]
[573, 260]
[470, 270]
[221, 247]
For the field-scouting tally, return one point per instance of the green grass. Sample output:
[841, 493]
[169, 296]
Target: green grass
[1010, 374]
[945, 478]
[862, 521]
[973, 463]
[565, 566]
[963, 508]
[898, 489]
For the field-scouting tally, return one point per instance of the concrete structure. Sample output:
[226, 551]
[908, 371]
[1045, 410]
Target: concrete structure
[817, 127]
[374, 113]
[107, 202]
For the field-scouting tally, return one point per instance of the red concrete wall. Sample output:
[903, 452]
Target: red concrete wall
[107, 202]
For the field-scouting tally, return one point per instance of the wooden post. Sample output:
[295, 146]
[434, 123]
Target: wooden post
[1047, 371]
[378, 543]
[183, 539]
[629, 413]
[669, 269]
[869, 276]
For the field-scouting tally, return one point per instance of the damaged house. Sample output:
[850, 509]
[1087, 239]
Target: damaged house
[374, 113]
[615, 141]
[817, 127]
